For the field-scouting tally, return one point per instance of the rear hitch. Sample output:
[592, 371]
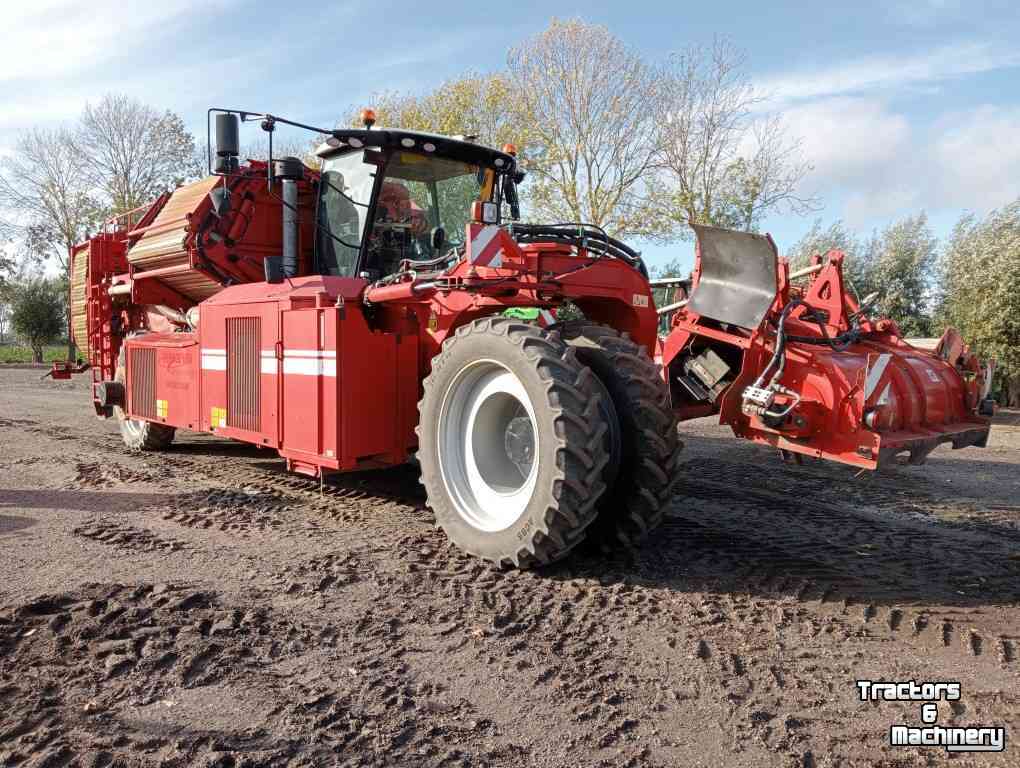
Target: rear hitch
[62, 369]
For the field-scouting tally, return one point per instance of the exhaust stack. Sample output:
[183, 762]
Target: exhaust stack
[290, 171]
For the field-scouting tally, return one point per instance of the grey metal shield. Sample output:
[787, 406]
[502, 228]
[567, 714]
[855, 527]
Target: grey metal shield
[738, 276]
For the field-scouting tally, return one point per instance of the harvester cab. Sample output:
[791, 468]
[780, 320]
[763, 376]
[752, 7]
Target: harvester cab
[388, 200]
[401, 199]
[379, 307]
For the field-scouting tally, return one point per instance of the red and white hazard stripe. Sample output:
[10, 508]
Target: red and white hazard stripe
[485, 249]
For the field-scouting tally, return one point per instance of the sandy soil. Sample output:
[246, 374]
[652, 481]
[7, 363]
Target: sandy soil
[201, 608]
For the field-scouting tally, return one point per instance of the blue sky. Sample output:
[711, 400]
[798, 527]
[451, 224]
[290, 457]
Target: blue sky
[901, 106]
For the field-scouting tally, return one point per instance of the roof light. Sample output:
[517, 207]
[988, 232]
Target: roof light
[368, 117]
[355, 142]
[510, 149]
[428, 146]
[407, 142]
[499, 162]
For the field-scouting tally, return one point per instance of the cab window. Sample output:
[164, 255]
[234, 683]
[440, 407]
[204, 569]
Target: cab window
[419, 195]
[345, 192]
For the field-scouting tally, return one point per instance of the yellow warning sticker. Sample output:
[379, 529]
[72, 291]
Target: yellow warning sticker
[218, 417]
[161, 409]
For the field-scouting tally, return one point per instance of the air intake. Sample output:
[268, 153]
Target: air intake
[244, 345]
[143, 382]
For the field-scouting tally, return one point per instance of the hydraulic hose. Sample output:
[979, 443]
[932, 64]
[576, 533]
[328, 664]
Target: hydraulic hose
[778, 354]
[592, 238]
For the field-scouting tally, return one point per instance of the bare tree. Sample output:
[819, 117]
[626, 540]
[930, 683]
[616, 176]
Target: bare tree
[44, 186]
[134, 152]
[302, 149]
[723, 162]
[589, 102]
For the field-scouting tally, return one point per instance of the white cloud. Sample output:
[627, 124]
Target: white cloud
[978, 156]
[47, 38]
[871, 162]
[848, 139]
[889, 72]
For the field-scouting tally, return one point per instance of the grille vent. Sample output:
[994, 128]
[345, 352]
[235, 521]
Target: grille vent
[143, 382]
[244, 345]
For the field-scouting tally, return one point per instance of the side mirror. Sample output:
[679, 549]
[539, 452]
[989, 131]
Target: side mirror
[438, 239]
[227, 144]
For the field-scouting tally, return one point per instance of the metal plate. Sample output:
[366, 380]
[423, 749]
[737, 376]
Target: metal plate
[738, 276]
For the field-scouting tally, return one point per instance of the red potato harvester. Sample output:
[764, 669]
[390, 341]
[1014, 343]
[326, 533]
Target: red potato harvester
[355, 316]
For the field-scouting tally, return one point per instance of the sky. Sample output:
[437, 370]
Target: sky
[900, 106]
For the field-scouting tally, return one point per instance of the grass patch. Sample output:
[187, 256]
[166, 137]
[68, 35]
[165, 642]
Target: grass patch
[12, 353]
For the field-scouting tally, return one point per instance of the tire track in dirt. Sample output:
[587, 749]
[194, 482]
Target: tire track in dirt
[749, 611]
[108, 650]
[128, 537]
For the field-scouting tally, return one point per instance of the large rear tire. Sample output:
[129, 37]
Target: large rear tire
[138, 434]
[632, 506]
[511, 443]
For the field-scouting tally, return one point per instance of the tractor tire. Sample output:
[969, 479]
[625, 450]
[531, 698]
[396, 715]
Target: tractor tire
[138, 434]
[511, 443]
[633, 505]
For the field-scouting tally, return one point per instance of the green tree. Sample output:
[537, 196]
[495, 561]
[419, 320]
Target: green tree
[37, 314]
[902, 263]
[980, 290]
[836, 237]
[475, 105]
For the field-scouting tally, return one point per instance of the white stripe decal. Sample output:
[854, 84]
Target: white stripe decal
[214, 362]
[875, 374]
[883, 399]
[300, 362]
[309, 353]
[307, 366]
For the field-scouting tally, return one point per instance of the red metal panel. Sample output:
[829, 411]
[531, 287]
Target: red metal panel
[368, 373]
[177, 382]
[332, 407]
[213, 363]
[239, 370]
[304, 369]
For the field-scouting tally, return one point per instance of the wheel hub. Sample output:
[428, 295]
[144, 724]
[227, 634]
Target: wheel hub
[519, 443]
[488, 446]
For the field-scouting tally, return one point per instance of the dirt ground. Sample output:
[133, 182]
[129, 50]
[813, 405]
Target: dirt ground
[201, 608]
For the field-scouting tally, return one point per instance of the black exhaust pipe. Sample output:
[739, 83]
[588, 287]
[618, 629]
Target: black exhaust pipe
[290, 171]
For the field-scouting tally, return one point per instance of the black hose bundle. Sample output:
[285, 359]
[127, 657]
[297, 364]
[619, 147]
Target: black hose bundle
[588, 236]
[838, 344]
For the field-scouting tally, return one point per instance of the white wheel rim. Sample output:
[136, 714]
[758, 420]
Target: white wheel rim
[487, 458]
